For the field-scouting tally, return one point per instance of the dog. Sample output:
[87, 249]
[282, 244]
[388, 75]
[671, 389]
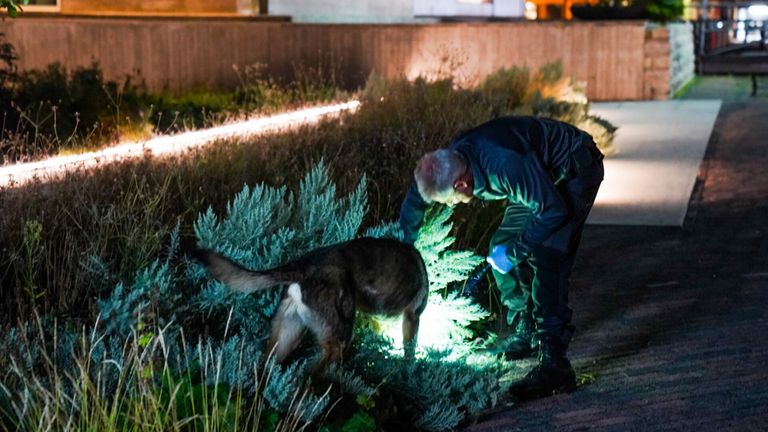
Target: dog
[323, 289]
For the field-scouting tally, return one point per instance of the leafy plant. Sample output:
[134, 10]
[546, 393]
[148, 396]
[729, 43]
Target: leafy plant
[657, 10]
[665, 10]
[51, 109]
[195, 401]
[13, 7]
[8, 58]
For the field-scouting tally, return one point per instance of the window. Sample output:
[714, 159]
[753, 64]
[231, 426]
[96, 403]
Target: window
[42, 6]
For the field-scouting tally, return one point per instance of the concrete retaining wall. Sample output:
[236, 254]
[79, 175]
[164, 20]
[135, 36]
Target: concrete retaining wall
[682, 55]
[345, 11]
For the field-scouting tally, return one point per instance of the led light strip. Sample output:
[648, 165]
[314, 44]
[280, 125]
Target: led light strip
[18, 174]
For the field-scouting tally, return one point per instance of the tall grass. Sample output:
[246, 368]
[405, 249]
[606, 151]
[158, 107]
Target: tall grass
[140, 387]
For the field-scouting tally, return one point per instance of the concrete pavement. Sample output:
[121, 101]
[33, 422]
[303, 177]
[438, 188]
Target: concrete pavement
[659, 147]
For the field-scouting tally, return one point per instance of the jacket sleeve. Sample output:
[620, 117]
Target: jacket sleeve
[529, 185]
[412, 214]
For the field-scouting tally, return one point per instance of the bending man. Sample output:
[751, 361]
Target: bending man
[549, 173]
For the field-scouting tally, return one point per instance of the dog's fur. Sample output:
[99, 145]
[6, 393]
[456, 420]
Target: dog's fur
[326, 286]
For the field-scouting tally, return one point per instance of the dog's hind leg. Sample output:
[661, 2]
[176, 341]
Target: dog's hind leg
[287, 329]
[410, 330]
[332, 352]
[334, 335]
[333, 329]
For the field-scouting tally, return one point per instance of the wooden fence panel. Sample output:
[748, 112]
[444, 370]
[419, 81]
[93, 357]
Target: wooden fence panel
[177, 53]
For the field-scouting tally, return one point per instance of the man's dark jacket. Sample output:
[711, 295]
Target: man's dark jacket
[519, 159]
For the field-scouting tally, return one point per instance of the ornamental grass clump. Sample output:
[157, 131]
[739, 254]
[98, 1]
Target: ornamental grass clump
[59, 377]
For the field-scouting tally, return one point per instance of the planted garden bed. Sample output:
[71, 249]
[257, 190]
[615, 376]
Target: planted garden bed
[109, 325]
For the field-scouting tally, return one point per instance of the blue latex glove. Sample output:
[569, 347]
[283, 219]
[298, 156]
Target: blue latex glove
[499, 261]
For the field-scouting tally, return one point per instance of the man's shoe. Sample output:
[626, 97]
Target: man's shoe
[522, 343]
[552, 375]
[517, 347]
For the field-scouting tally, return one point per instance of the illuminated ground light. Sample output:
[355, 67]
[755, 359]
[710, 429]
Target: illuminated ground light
[434, 331]
[54, 167]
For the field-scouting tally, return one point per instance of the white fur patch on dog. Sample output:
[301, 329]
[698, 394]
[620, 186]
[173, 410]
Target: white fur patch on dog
[294, 292]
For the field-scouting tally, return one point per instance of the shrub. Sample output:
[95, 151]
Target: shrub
[12, 6]
[664, 10]
[50, 110]
[8, 57]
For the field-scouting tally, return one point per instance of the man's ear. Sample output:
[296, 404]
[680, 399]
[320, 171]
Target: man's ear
[462, 186]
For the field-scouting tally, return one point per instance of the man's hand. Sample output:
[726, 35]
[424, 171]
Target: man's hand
[499, 261]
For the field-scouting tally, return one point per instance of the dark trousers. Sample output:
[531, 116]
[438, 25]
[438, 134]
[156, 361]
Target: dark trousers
[515, 286]
[539, 285]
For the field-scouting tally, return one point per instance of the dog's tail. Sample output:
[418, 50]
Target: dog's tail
[234, 275]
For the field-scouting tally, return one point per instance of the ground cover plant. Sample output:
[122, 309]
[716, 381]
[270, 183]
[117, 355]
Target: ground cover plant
[96, 248]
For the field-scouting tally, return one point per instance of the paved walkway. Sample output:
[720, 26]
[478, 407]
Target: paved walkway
[659, 148]
[672, 323]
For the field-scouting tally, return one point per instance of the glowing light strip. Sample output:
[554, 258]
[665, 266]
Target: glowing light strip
[16, 175]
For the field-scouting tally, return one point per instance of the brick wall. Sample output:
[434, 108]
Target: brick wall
[669, 59]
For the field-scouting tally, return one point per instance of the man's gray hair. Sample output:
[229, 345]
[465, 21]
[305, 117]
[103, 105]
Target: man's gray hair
[437, 171]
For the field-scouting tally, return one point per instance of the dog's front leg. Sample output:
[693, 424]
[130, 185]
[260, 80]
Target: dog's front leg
[411, 316]
[410, 331]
